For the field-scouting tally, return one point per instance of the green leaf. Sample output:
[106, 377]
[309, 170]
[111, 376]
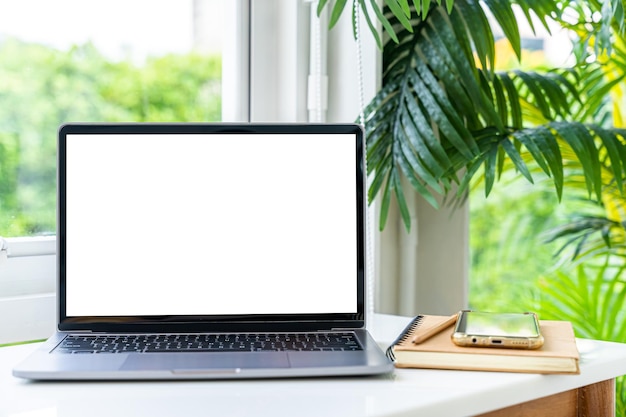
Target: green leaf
[527, 138]
[503, 13]
[438, 107]
[502, 160]
[583, 146]
[414, 164]
[460, 82]
[449, 5]
[513, 100]
[517, 159]
[490, 169]
[427, 142]
[425, 8]
[380, 173]
[400, 13]
[470, 170]
[479, 30]
[534, 86]
[464, 43]
[593, 85]
[320, 6]
[370, 24]
[618, 15]
[612, 145]
[500, 100]
[604, 35]
[406, 8]
[443, 55]
[386, 201]
[573, 88]
[552, 88]
[541, 9]
[614, 304]
[417, 185]
[336, 12]
[594, 169]
[383, 20]
[404, 210]
[548, 143]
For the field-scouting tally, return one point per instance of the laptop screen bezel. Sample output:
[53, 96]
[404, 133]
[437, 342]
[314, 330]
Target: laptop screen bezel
[202, 323]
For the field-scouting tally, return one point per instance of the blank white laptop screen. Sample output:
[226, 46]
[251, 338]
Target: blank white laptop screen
[203, 224]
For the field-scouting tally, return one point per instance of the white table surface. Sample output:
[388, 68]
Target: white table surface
[404, 392]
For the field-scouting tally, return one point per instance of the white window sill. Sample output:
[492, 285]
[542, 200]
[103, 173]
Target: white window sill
[27, 288]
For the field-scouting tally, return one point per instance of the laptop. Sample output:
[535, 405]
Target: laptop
[207, 251]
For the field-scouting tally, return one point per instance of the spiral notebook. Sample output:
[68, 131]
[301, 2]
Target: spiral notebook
[558, 355]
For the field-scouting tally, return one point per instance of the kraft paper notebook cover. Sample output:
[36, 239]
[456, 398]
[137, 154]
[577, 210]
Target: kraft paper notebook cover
[558, 355]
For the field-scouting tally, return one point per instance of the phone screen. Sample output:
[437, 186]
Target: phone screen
[499, 324]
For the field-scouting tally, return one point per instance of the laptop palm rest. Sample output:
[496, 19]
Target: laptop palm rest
[347, 359]
[205, 361]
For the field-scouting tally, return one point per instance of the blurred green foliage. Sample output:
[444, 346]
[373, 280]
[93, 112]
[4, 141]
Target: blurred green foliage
[514, 268]
[41, 88]
[509, 241]
[507, 254]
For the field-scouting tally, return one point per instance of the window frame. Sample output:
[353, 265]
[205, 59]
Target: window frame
[28, 277]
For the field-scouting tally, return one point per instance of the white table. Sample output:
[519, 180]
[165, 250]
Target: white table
[413, 392]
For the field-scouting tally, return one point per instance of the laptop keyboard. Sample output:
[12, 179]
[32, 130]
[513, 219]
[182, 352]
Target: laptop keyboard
[77, 344]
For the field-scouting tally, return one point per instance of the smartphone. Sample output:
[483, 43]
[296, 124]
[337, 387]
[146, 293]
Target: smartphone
[502, 330]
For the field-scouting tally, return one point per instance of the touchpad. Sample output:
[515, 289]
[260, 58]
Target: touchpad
[205, 361]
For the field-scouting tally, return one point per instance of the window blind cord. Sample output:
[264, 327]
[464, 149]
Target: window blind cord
[359, 61]
[369, 226]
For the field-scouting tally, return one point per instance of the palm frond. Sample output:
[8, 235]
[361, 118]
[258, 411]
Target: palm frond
[601, 229]
[403, 12]
[593, 298]
[591, 236]
[541, 10]
[413, 125]
[595, 150]
[439, 113]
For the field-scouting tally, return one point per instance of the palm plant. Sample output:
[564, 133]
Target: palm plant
[443, 114]
[445, 117]
[602, 41]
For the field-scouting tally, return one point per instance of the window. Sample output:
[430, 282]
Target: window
[265, 65]
[64, 63]
[508, 228]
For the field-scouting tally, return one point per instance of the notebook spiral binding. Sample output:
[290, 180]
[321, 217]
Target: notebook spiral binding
[417, 320]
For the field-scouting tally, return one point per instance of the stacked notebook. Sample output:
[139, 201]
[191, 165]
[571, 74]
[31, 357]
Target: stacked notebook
[558, 355]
